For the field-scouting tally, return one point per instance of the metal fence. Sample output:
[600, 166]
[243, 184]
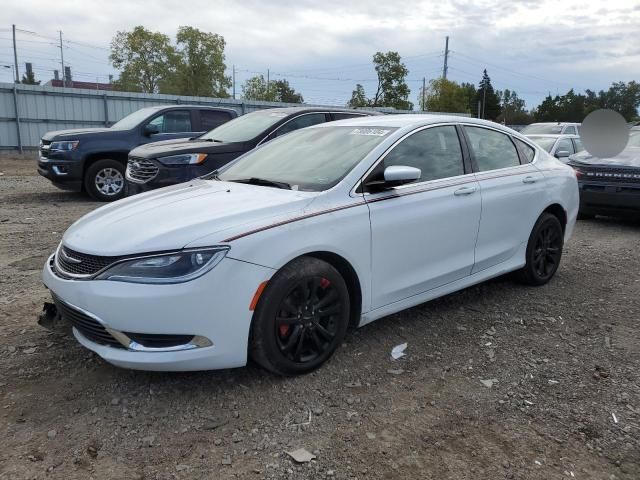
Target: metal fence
[28, 111]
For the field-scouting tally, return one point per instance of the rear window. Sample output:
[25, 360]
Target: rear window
[542, 129]
[528, 151]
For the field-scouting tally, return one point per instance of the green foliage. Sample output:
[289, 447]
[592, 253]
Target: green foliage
[470, 95]
[144, 59]
[392, 90]
[358, 98]
[197, 65]
[513, 109]
[256, 88]
[29, 79]
[443, 95]
[489, 100]
[622, 97]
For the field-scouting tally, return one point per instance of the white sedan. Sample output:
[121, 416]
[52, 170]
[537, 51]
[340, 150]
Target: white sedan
[274, 256]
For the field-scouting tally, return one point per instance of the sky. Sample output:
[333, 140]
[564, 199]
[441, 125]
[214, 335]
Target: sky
[324, 48]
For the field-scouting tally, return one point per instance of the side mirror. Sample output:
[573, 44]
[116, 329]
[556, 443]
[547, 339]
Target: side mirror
[150, 129]
[393, 176]
[562, 153]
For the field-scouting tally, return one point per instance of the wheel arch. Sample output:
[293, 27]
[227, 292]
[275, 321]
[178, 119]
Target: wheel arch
[559, 212]
[91, 158]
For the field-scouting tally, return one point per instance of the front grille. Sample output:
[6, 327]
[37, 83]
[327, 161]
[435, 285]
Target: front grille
[87, 326]
[141, 170]
[611, 175]
[75, 263]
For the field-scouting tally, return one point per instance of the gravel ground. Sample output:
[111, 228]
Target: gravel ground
[499, 381]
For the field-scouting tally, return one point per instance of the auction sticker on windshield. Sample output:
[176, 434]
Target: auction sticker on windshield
[377, 132]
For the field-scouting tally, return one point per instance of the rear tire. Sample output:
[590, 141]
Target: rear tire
[544, 251]
[104, 180]
[301, 318]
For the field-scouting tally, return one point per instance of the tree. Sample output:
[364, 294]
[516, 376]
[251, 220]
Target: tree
[470, 95]
[392, 90]
[285, 92]
[144, 59]
[358, 98]
[256, 88]
[29, 78]
[513, 109]
[443, 95]
[489, 101]
[198, 65]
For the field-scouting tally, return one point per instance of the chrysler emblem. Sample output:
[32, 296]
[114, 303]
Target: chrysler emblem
[68, 258]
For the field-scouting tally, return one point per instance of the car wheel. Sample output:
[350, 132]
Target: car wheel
[301, 318]
[544, 251]
[104, 180]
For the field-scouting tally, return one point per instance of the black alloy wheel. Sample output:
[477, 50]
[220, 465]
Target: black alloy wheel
[544, 251]
[301, 317]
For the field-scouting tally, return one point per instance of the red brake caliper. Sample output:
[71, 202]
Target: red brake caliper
[324, 283]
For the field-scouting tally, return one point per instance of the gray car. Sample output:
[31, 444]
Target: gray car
[560, 146]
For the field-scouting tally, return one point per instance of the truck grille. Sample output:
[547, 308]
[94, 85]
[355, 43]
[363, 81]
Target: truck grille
[611, 175]
[44, 148]
[74, 263]
[141, 170]
[87, 326]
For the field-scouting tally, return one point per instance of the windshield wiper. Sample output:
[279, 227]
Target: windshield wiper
[263, 181]
[210, 140]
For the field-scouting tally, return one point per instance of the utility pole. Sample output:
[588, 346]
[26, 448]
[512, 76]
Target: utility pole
[446, 58]
[424, 108]
[267, 83]
[64, 77]
[15, 55]
[234, 82]
[484, 97]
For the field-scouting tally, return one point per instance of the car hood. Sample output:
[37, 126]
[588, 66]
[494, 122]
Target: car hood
[172, 217]
[73, 133]
[629, 157]
[180, 146]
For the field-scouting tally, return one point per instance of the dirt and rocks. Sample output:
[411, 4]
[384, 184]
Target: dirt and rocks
[499, 380]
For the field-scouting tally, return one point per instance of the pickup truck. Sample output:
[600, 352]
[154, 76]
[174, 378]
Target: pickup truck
[93, 160]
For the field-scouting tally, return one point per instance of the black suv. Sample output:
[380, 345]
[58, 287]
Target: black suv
[94, 159]
[176, 161]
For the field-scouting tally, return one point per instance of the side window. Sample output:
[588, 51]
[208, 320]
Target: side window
[435, 151]
[210, 119]
[175, 121]
[343, 116]
[301, 122]
[570, 130]
[578, 143]
[492, 150]
[528, 152]
[565, 144]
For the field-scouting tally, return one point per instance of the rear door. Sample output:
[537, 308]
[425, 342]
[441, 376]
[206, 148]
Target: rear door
[512, 189]
[423, 234]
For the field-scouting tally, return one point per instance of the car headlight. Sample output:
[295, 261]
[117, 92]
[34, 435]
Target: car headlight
[183, 159]
[174, 267]
[65, 146]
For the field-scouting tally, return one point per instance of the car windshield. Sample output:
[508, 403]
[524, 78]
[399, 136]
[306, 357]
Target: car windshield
[133, 119]
[541, 128]
[244, 128]
[545, 142]
[311, 159]
[634, 140]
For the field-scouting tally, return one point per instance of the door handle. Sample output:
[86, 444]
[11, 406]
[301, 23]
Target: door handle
[465, 191]
[529, 179]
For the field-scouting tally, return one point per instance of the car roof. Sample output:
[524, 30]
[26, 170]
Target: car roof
[311, 109]
[412, 120]
[552, 135]
[555, 123]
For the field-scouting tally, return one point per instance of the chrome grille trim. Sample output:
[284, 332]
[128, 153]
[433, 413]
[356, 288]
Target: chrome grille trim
[71, 264]
[141, 170]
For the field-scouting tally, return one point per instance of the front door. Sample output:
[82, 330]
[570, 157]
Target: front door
[423, 234]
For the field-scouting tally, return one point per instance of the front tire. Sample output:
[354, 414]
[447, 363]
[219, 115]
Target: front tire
[104, 180]
[301, 318]
[544, 251]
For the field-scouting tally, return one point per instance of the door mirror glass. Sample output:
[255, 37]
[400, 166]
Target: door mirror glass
[562, 153]
[395, 175]
[151, 129]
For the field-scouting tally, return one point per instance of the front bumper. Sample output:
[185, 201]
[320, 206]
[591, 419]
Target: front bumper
[65, 173]
[614, 199]
[166, 176]
[213, 307]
